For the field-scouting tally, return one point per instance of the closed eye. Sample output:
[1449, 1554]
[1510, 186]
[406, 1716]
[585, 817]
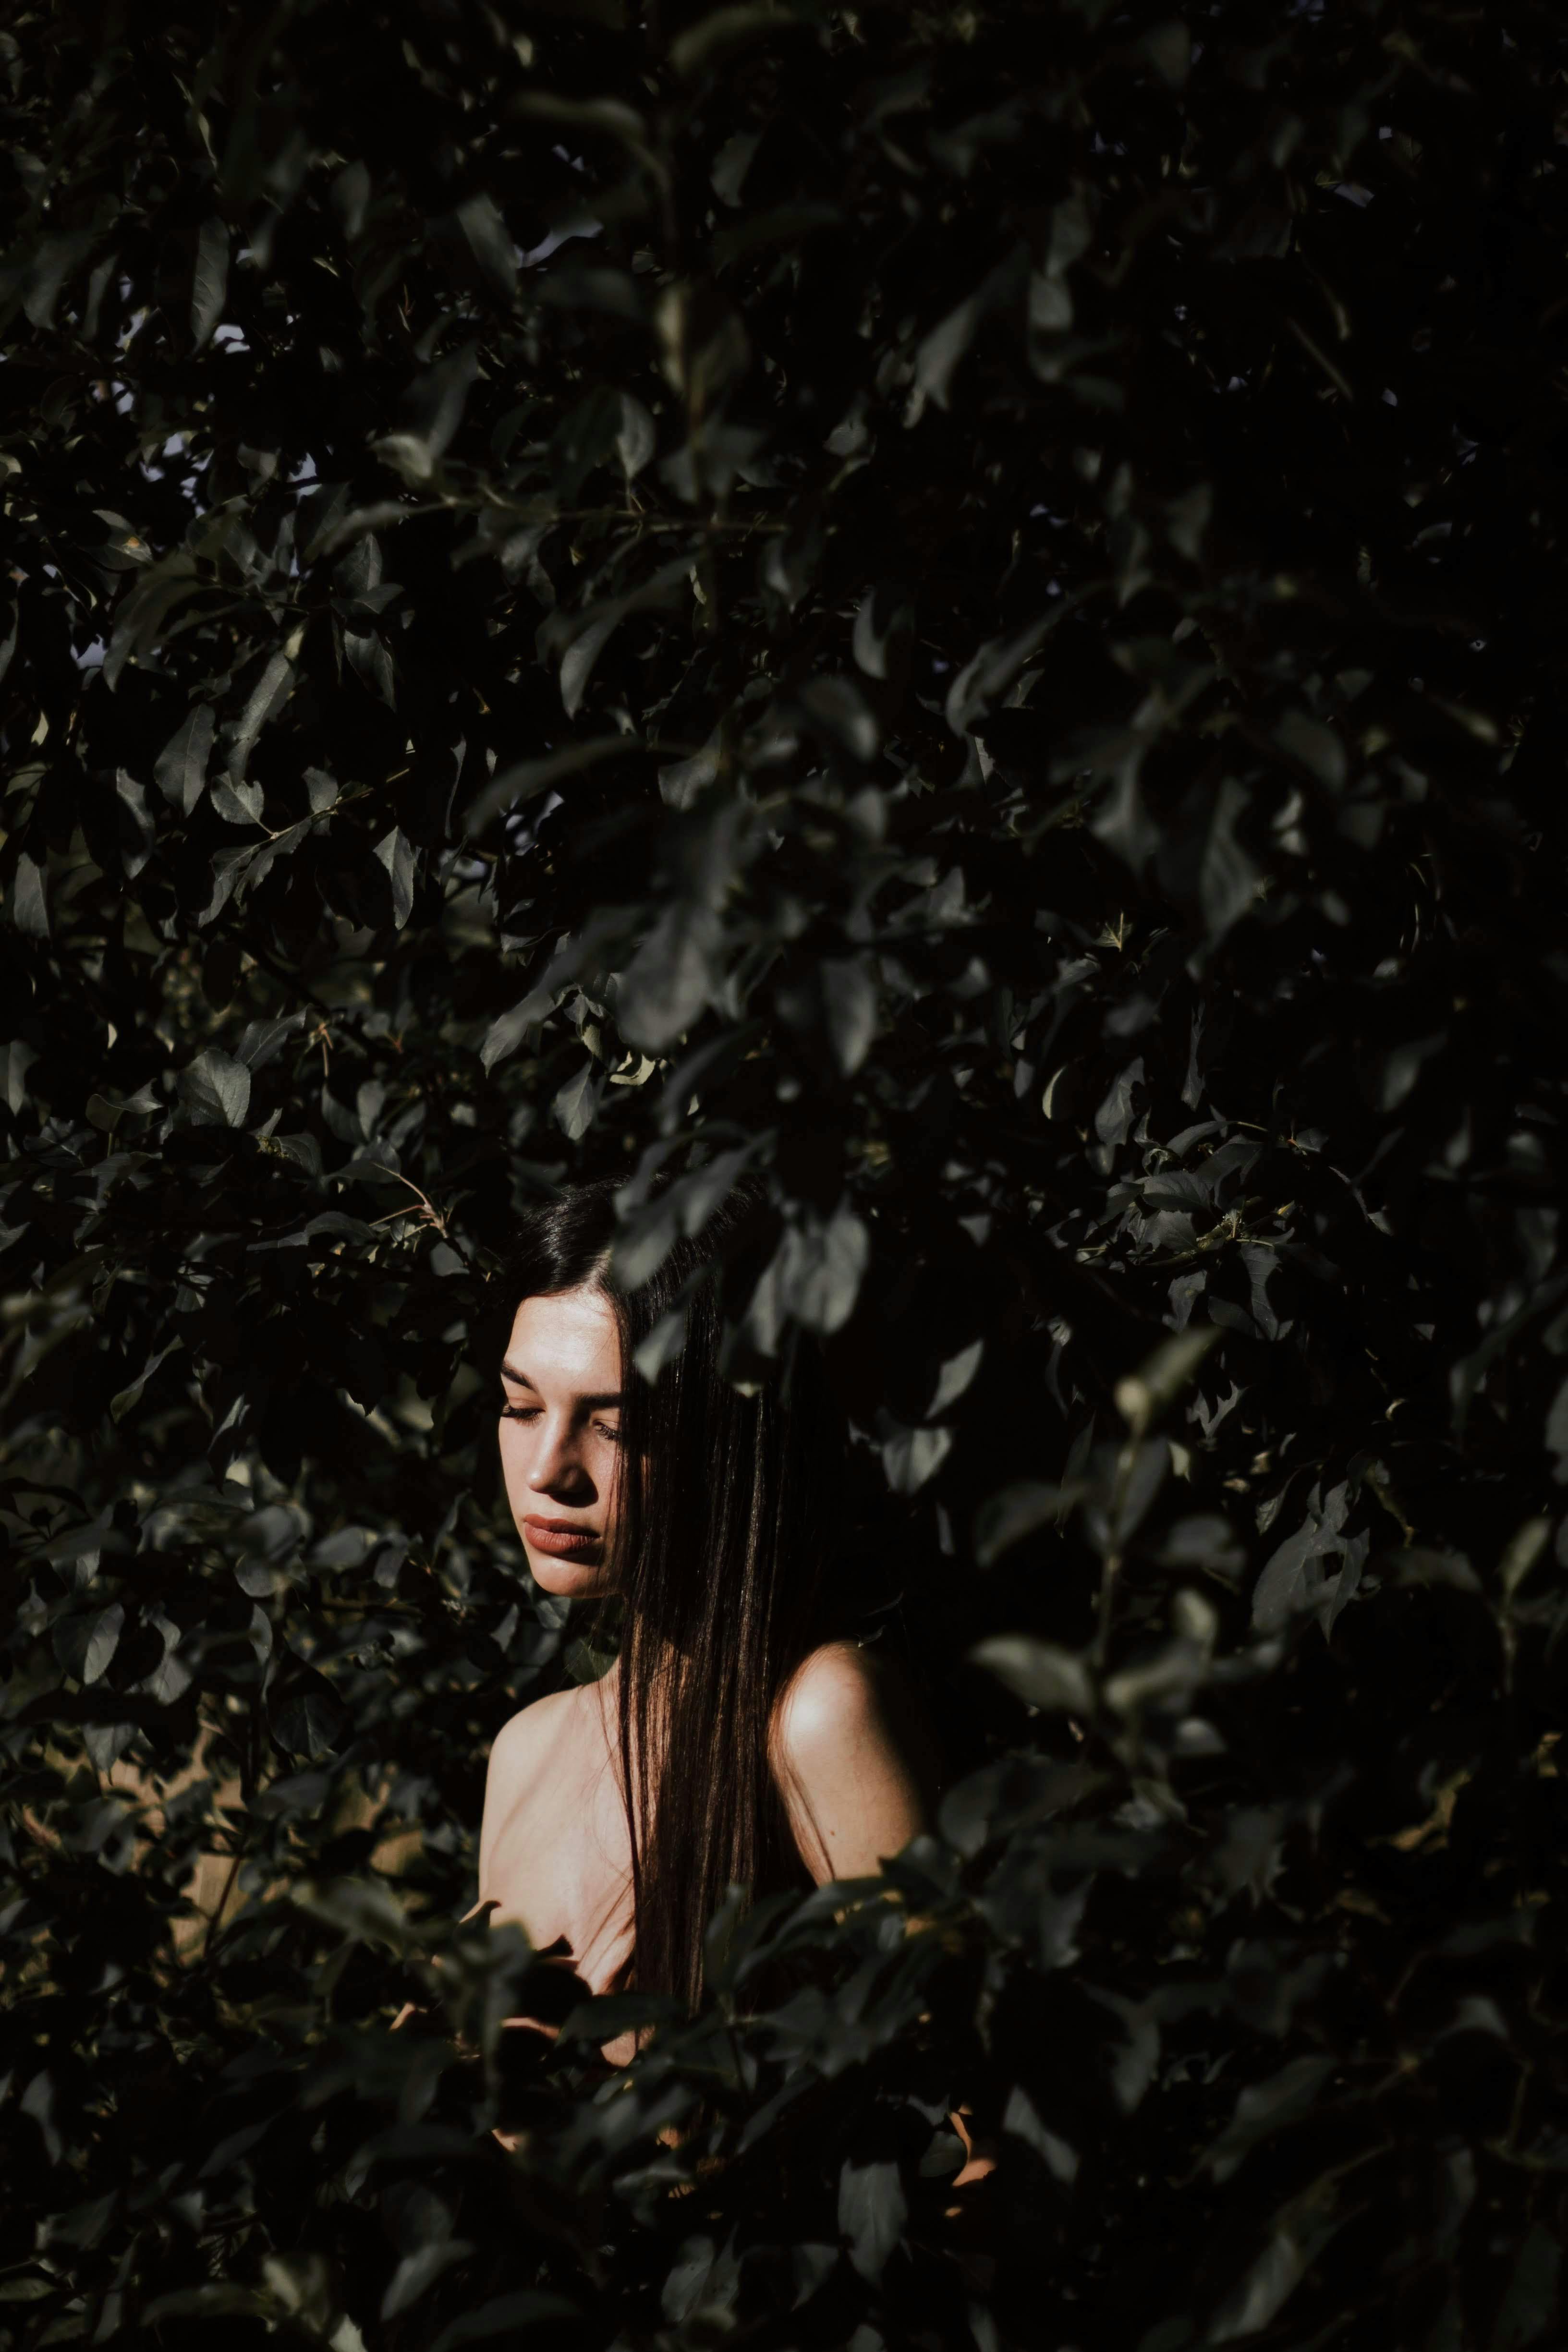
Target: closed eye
[532, 1411]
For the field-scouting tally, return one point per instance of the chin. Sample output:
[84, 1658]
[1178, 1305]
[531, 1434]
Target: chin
[569, 1580]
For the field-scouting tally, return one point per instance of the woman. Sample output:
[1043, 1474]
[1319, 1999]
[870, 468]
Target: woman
[730, 1742]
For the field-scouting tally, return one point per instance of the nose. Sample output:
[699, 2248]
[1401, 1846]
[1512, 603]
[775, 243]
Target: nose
[558, 1468]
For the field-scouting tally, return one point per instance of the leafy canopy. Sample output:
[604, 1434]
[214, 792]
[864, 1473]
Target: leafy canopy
[962, 607]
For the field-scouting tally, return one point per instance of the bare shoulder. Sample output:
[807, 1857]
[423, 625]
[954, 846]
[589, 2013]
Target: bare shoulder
[537, 1732]
[849, 1762]
[529, 1748]
[527, 1732]
[525, 1738]
[836, 1694]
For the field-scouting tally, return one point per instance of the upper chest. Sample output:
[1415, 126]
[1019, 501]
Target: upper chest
[560, 1862]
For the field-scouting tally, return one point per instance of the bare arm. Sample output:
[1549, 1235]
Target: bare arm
[856, 1786]
[846, 1765]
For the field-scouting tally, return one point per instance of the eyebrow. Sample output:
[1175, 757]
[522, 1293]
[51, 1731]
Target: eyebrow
[596, 1403]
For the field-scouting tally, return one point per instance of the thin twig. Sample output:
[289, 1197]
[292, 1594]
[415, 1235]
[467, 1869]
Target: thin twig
[425, 1210]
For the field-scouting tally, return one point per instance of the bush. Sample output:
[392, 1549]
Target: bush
[962, 607]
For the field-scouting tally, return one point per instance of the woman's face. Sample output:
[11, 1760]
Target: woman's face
[559, 1431]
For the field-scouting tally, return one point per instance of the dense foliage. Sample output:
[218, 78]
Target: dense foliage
[961, 606]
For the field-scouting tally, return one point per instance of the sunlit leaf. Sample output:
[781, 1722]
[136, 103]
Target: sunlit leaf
[911, 1456]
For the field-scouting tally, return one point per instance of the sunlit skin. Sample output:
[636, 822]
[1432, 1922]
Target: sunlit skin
[554, 1851]
[560, 1437]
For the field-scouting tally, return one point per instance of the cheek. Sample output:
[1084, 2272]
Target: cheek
[519, 1448]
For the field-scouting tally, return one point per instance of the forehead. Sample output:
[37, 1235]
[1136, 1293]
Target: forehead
[567, 1338]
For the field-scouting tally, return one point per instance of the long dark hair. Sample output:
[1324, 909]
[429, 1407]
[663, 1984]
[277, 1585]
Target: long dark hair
[728, 1505]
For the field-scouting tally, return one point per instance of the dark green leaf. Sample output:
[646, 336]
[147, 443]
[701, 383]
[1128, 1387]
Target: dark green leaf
[724, 32]
[872, 2208]
[504, 2316]
[1267, 2107]
[209, 282]
[576, 1103]
[181, 768]
[481, 223]
[396, 854]
[513, 786]
[1016, 1512]
[216, 1089]
[30, 906]
[667, 981]
[1038, 1672]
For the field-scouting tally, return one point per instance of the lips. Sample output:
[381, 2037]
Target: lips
[565, 1538]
